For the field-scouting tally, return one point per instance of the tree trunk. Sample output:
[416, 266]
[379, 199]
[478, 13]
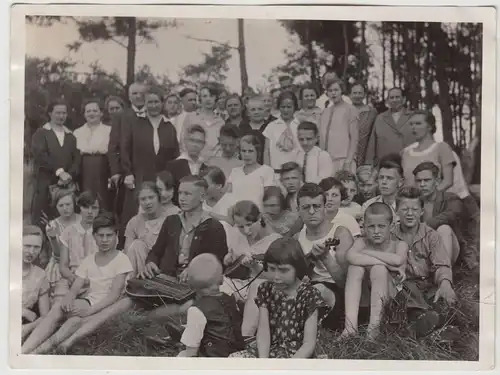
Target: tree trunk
[363, 57]
[242, 53]
[428, 72]
[346, 49]
[393, 55]
[384, 62]
[131, 50]
[310, 54]
[440, 52]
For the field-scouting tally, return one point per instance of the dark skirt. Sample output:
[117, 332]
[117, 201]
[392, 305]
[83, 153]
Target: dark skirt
[94, 176]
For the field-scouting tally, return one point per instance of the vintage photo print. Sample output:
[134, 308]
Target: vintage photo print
[252, 183]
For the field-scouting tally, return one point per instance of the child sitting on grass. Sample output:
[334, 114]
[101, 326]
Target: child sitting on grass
[288, 305]
[35, 285]
[376, 255]
[106, 272]
[213, 323]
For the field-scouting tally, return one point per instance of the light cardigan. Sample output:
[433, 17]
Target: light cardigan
[93, 140]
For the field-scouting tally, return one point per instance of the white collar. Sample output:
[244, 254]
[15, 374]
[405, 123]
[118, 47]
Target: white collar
[48, 126]
[185, 156]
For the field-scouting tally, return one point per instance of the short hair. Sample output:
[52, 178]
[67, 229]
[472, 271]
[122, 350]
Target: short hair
[196, 180]
[308, 125]
[427, 166]
[171, 95]
[211, 90]
[60, 193]
[288, 167]
[196, 128]
[358, 83]
[167, 178]
[54, 103]
[204, 271]
[230, 130]
[154, 90]
[391, 164]
[310, 190]
[104, 220]
[366, 169]
[88, 101]
[247, 210]
[255, 98]
[288, 95]
[429, 117]
[396, 88]
[273, 90]
[87, 199]
[379, 208]
[32, 230]
[233, 96]
[331, 182]
[215, 174]
[308, 86]
[345, 176]
[254, 140]
[409, 192]
[274, 191]
[287, 250]
[331, 82]
[113, 98]
[186, 91]
[148, 185]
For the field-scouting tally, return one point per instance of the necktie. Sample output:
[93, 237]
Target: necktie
[327, 103]
[304, 167]
[156, 140]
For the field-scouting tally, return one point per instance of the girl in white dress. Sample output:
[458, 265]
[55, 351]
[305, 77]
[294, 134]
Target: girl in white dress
[282, 144]
[248, 182]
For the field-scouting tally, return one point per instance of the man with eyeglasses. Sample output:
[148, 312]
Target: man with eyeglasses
[330, 269]
[428, 272]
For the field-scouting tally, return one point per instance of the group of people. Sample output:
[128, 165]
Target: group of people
[316, 204]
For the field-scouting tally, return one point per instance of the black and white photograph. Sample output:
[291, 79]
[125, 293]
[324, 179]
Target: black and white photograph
[276, 186]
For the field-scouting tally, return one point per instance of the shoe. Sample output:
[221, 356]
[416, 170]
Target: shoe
[175, 329]
[157, 335]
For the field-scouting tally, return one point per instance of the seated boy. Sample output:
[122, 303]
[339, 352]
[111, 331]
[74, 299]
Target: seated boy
[106, 272]
[348, 205]
[227, 156]
[375, 255]
[213, 326]
[316, 163]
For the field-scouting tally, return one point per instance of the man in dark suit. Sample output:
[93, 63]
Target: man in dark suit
[391, 131]
[189, 162]
[183, 237]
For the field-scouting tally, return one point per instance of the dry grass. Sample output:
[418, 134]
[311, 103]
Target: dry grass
[125, 335]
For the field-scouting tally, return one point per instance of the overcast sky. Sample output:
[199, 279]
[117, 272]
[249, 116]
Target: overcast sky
[265, 41]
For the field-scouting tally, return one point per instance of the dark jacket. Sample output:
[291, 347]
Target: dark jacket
[209, 237]
[137, 151]
[115, 139]
[222, 335]
[179, 168]
[48, 157]
[447, 211]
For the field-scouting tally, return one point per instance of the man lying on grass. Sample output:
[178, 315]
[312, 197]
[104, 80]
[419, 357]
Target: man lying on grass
[106, 272]
[428, 274]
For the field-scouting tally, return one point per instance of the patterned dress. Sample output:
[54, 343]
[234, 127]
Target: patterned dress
[287, 318]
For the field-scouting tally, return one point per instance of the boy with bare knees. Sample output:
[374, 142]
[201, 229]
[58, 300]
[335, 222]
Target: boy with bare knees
[381, 259]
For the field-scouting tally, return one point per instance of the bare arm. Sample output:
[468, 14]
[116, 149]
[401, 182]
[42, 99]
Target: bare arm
[447, 181]
[188, 352]
[44, 304]
[392, 259]
[263, 334]
[310, 334]
[355, 257]
[64, 265]
[345, 243]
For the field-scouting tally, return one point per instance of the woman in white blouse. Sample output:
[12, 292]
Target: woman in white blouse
[248, 182]
[92, 140]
